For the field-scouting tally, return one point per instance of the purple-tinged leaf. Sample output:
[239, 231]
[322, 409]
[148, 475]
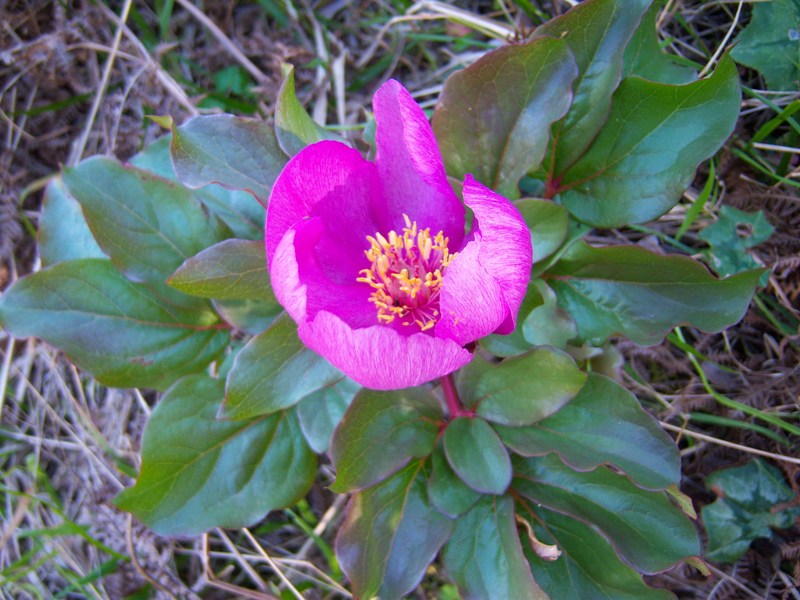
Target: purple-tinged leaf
[603, 424]
[588, 568]
[647, 531]
[390, 536]
[649, 148]
[523, 389]
[200, 472]
[230, 270]
[115, 329]
[484, 556]
[493, 118]
[380, 433]
[274, 371]
[235, 152]
[446, 491]
[477, 455]
[631, 291]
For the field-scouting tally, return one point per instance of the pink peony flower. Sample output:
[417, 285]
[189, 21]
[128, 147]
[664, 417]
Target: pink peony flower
[372, 261]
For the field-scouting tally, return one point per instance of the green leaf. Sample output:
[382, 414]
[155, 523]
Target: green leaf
[484, 556]
[446, 491]
[477, 455]
[596, 32]
[523, 389]
[587, 568]
[647, 152]
[771, 44]
[548, 324]
[294, 128]
[235, 152]
[631, 291]
[493, 117]
[515, 343]
[730, 236]
[746, 509]
[155, 158]
[644, 57]
[548, 224]
[238, 210]
[390, 536]
[250, 316]
[63, 232]
[232, 269]
[116, 329]
[647, 531]
[146, 224]
[321, 412]
[603, 424]
[380, 433]
[199, 472]
[274, 371]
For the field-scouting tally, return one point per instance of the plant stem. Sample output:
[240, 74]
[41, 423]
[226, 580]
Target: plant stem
[454, 406]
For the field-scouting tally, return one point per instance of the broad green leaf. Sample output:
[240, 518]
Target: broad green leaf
[493, 117]
[390, 536]
[631, 291]
[547, 222]
[146, 224]
[515, 343]
[647, 531]
[115, 329]
[603, 424]
[238, 210]
[587, 569]
[730, 236]
[771, 44]
[274, 371]
[548, 324]
[232, 269]
[294, 128]
[235, 152]
[596, 31]
[747, 508]
[447, 493]
[484, 556]
[647, 152]
[63, 232]
[321, 412]
[477, 455]
[380, 433]
[200, 472]
[250, 316]
[155, 158]
[523, 389]
[644, 57]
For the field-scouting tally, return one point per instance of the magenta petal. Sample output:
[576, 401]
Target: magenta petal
[379, 357]
[313, 175]
[302, 287]
[410, 166]
[505, 250]
[471, 302]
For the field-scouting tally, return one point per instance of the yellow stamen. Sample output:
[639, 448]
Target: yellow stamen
[406, 274]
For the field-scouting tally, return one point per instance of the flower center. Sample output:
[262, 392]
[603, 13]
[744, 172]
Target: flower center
[406, 274]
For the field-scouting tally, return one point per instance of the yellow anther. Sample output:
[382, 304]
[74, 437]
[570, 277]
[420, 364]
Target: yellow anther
[406, 274]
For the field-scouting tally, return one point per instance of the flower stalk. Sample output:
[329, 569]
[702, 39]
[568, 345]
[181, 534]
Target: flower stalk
[454, 405]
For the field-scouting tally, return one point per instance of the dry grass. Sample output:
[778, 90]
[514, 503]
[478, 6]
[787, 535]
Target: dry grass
[74, 82]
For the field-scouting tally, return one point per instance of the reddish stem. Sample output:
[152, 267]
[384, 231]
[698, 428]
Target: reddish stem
[454, 406]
